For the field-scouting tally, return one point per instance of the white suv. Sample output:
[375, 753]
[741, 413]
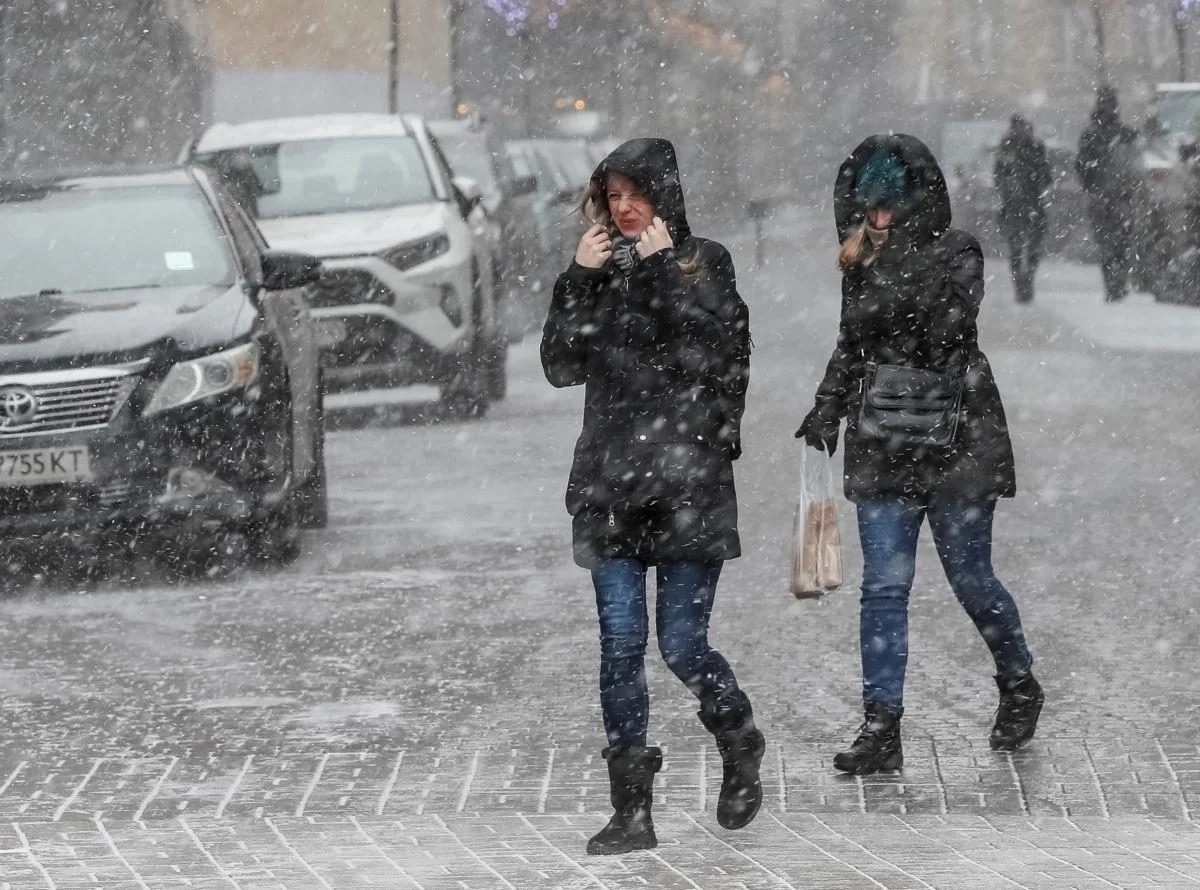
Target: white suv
[407, 295]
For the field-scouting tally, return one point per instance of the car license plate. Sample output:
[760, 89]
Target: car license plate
[329, 332]
[45, 466]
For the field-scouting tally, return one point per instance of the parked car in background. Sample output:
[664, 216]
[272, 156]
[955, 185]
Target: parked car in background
[408, 294]
[472, 151]
[159, 377]
[555, 200]
[574, 159]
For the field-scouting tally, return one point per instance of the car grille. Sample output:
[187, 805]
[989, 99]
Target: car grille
[345, 287]
[63, 400]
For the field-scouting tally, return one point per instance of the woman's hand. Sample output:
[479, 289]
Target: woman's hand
[819, 432]
[655, 238]
[595, 247]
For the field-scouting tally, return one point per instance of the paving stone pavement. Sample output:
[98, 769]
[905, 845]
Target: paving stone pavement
[1058, 814]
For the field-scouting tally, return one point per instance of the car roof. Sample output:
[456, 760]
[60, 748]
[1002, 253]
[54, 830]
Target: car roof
[223, 136]
[97, 177]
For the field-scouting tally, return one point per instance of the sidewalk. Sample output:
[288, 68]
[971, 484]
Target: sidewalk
[1061, 814]
[1075, 293]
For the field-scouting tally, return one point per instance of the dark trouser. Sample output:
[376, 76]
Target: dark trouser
[1024, 230]
[962, 531]
[685, 599]
[1112, 223]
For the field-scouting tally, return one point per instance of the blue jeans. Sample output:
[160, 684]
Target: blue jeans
[685, 600]
[962, 531]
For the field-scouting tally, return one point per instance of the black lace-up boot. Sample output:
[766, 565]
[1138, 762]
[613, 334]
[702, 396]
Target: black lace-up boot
[1021, 701]
[741, 746]
[631, 790]
[877, 746]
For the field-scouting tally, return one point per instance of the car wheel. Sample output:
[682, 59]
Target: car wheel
[497, 369]
[312, 498]
[466, 393]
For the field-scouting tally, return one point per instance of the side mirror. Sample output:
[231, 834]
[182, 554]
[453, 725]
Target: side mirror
[468, 192]
[522, 185]
[284, 270]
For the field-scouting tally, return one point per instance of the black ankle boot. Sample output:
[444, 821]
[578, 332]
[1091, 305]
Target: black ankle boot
[631, 790]
[1021, 703]
[742, 747]
[877, 746]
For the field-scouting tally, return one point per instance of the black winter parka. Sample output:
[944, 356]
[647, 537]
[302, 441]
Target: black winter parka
[664, 355]
[916, 306]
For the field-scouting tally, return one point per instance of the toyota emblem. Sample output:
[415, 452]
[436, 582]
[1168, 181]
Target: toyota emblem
[18, 406]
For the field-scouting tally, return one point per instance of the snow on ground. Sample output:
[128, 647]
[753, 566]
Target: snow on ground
[1075, 294]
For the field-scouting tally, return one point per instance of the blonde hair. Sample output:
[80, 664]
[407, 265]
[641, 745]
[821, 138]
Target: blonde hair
[857, 251]
[593, 207]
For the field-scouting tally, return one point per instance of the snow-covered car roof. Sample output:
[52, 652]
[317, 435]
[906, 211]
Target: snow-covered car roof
[222, 136]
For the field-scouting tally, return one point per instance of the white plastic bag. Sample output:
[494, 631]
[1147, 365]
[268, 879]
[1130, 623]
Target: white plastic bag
[816, 539]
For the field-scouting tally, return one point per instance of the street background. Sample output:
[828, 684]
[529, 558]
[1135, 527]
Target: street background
[413, 704]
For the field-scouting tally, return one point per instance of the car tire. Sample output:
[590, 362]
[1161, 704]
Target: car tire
[466, 393]
[312, 498]
[273, 533]
[497, 370]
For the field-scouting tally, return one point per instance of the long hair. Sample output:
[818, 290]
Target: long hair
[593, 207]
[857, 251]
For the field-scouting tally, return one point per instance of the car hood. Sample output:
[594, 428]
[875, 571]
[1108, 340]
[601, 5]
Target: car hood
[353, 234]
[62, 329]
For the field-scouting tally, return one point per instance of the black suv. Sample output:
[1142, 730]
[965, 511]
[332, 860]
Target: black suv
[159, 378]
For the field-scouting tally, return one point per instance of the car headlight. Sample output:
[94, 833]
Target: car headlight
[414, 253]
[201, 378]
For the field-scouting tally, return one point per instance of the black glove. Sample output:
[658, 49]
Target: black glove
[819, 432]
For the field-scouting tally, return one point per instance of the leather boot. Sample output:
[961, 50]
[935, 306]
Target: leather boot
[877, 746]
[630, 780]
[742, 747]
[1021, 701]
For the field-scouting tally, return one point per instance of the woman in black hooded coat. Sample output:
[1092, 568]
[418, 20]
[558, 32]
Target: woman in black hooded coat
[911, 291]
[649, 320]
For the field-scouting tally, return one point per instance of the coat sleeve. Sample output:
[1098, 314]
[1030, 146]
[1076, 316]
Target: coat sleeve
[704, 324]
[952, 306]
[845, 365]
[569, 324]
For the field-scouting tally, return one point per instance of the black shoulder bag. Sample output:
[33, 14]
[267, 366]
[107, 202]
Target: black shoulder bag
[910, 407]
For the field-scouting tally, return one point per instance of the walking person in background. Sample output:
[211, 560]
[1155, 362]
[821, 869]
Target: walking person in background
[1106, 168]
[911, 291]
[649, 320]
[1022, 176]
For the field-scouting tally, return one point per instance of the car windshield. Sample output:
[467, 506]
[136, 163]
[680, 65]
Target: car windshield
[319, 176]
[469, 156]
[64, 239]
[1179, 115]
[574, 160]
[530, 161]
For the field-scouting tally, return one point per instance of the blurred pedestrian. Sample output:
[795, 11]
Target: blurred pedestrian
[1106, 167]
[649, 319]
[1022, 176]
[926, 436]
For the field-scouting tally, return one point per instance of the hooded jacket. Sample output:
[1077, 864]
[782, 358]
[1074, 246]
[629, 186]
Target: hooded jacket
[915, 306]
[1022, 173]
[663, 353]
[1105, 162]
